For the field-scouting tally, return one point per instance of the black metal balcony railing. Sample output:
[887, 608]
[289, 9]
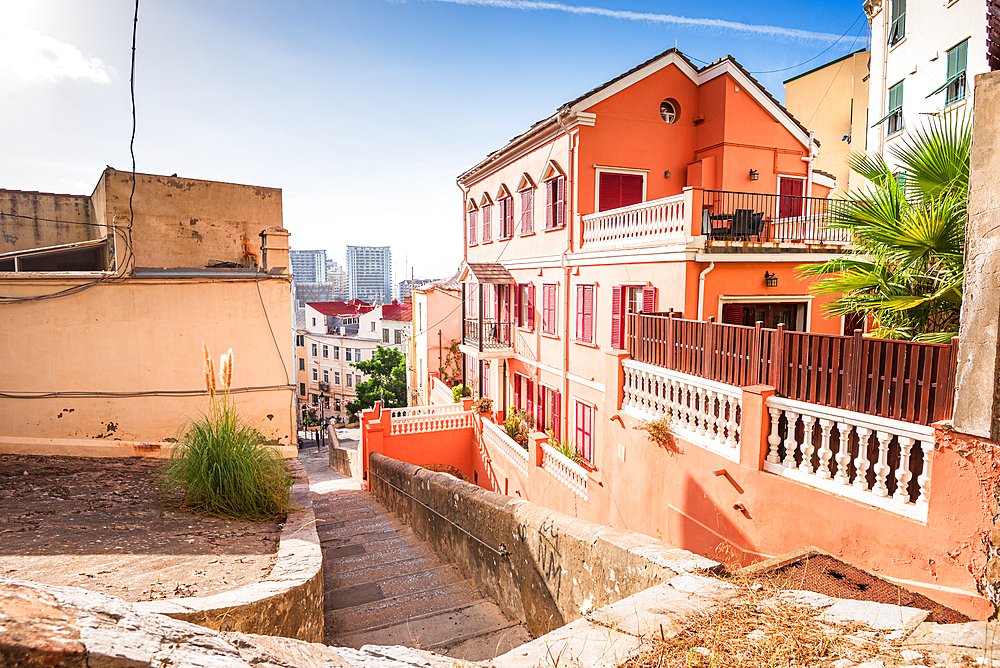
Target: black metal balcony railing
[495, 334]
[733, 216]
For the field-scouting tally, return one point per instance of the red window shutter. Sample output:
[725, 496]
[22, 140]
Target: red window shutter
[486, 223]
[540, 409]
[732, 314]
[517, 305]
[517, 391]
[649, 300]
[472, 228]
[560, 203]
[556, 417]
[578, 427]
[527, 212]
[549, 199]
[617, 318]
[508, 219]
[610, 191]
[546, 297]
[529, 394]
[631, 189]
[588, 313]
[579, 311]
[531, 306]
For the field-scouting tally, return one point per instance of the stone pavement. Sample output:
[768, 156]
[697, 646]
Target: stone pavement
[384, 586]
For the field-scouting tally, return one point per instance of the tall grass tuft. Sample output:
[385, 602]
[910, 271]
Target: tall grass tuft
[222, 466]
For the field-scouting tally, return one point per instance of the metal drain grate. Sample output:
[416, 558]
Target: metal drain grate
[825, 574]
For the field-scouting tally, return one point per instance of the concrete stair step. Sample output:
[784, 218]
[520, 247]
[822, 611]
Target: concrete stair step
[345, 530]
[393, 582]
[337, 578]
[485, 645]
[343, 557]
[439, 628]
[399, 609]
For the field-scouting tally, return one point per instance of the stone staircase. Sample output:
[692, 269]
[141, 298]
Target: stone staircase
[384, 586]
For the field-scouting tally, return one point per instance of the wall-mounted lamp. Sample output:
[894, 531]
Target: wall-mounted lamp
[770, 280]
[754, 175]
[666, 174]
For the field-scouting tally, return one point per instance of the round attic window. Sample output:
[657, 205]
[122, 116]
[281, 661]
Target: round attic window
[669, 111]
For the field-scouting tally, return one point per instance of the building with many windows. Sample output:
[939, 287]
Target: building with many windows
[308, 266]
[924, 56]
[369, 273]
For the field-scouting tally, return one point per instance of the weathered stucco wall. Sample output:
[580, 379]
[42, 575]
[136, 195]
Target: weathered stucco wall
[555, 563]
[977, 396]
[189, 222]
[140, 344]
[31, 220]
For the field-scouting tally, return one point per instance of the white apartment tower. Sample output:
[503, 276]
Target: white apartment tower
[308, 266]
[924, 57]
[369, 273]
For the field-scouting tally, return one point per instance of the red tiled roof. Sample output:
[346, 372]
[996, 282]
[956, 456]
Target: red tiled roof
[398, 312]
[353, 307]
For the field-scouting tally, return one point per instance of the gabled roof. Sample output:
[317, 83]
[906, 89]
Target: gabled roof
[481, 272]
[450, 284]
[398, 312]
[724, 65]
[353, 307]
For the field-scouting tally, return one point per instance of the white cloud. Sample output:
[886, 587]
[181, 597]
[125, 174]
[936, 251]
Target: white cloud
[28, 56]
[719, 24]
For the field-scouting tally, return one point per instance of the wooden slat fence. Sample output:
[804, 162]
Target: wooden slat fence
[901, 380]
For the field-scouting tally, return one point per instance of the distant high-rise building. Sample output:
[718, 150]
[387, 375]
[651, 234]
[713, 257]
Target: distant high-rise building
[406, 287]
[369, 273]
[308, 266]
[337, 277]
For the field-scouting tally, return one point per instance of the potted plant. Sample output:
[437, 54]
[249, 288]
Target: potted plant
[518, 425]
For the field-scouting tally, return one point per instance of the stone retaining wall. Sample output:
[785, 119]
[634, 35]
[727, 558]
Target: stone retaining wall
[554, 564]
[346, 461]
[289, 602]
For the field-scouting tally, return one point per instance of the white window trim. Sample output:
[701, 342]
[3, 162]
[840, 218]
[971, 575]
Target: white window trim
[601, 169]
[792, 176]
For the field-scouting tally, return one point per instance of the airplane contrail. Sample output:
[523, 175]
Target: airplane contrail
[751, 28]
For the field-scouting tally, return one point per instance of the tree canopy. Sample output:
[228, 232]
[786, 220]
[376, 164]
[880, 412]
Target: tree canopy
[386, 381]
[906, 267]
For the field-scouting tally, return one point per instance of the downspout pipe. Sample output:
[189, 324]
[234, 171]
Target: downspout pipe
[568, 217]
[701, 290]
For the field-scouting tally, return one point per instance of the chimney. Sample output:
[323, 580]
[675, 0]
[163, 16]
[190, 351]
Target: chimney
[274, 251]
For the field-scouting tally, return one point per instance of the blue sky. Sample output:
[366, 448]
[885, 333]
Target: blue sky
[362, 111]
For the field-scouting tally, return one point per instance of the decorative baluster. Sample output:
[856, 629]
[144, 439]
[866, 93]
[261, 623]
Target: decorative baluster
[716, 425]
[731, 425]
[774, 440]
[790, 445]
[924, 480]
[807, 448]
[844, 454]
[687, 401]
[861, 462]
[882, 467]
[903, 473]
[701, 416]
[825, 453]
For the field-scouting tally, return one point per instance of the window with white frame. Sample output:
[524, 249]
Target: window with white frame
[315, 373]
[487, 212]
[315, 350]
[550, 292]
[555, 202]
[326, 376]
[336, 378]
[585, 313]
[524, 305]
[349, 378]
[336, 352]
[347, 354]
[326, 351]
[584, 430]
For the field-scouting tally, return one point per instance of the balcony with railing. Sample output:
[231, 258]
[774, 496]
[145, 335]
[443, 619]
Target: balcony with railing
[744, 217]
[488, 334]
[717, 220]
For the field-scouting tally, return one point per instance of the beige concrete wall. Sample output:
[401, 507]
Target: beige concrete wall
[29, 222]
[142, 336]
[822, 100]
[188, 222]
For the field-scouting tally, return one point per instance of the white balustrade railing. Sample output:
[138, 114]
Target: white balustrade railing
[441, 393]
[863, 457]
[648, 223]
[432, 409]
[435, 419]
[497, 441]
[701, 411]
[565, 470]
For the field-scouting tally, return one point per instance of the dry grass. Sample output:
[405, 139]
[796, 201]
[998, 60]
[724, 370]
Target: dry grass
[757, 629]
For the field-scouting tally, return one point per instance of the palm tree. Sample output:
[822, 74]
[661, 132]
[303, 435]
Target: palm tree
[905, 269]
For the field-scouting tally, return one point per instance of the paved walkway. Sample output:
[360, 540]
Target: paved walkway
[384, 586]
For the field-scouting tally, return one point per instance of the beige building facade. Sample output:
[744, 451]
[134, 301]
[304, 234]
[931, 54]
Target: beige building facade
[105, 306]
[832, 101]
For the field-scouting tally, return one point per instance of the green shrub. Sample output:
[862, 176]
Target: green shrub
[565, 448]
[222, 466]
[458, 392]
[518, 425]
